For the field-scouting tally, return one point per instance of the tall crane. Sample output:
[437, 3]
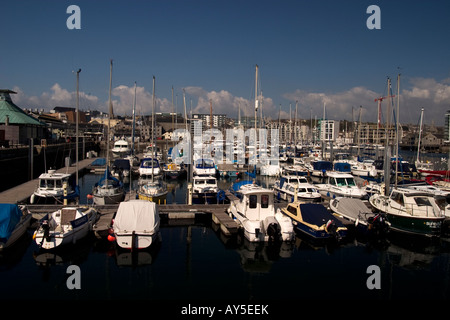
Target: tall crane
[379, 113]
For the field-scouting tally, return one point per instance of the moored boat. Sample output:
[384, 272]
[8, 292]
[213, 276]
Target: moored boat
[136, 224]
[314, 220]
[64, 226]
[13, 224]
[359, 214]
[411, 212]
[256, 213]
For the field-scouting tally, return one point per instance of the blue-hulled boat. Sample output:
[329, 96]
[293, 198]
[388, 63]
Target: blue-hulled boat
[314, 220]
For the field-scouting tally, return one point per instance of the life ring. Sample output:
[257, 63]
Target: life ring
[365, 183]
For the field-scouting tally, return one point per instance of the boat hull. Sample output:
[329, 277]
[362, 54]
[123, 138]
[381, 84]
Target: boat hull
[416, 225]
[113, 199]
[159, 199]
[61, 236]
[135, 240]
[17, 233]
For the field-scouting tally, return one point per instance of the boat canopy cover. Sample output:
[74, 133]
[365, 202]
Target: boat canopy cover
[10, 215]
[99, 162]
[317, 214]
[342, 167]
[137, 215]
[122, 164]
[322, 165]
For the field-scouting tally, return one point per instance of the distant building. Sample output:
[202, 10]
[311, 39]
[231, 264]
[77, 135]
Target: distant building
[16, 126]
[218, 120]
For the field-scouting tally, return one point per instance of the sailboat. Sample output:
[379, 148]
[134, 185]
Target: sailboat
[109, 190]
[134, 160]
[153, 189]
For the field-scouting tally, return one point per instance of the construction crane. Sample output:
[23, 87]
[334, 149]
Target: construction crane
[379, 107]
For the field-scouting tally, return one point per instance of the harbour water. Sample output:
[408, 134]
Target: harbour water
[195, 261]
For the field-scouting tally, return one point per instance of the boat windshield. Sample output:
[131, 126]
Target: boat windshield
[50, 183]
[204, 163]
[422, 201]
[345, 182]
[150, 164]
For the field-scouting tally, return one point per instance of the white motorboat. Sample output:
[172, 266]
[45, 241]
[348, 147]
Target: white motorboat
[136, 224]
[288, 186]
[13, 224]
[362, 217]
[51, 188]
[204, 166]
[149, 167]
[339, 184]
[64, 226]
[255, 212]
[121, 148]
[204, 189]
[364, 169]
[411, 211]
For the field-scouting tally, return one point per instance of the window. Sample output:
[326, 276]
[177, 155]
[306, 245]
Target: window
[422, 201]
[253, 201]
[264, 201]
[292, 210]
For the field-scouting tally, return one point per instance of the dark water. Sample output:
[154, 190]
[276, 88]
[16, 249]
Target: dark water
[195, 262]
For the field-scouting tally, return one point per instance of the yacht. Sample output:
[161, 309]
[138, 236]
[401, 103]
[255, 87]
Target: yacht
[339, 184]
[64, 226]
[154, 190]
[205, 189]
[204, 166]
[288, 186]
[149, 167]
[108, 190]
[256, 214]
[121, 148]
[411, 211]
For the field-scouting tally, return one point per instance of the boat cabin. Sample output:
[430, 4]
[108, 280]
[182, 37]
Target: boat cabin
[256, 202]
[341, 180]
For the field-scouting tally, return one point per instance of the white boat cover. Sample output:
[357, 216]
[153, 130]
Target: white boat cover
[137, 215]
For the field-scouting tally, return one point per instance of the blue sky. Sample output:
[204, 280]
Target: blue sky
[313, 52]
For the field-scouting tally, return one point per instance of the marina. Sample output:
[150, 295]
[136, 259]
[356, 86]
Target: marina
[203, 254]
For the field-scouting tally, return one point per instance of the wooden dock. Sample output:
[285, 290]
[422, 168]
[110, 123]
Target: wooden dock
[21, 193]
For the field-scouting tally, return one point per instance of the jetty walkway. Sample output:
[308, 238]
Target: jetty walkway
[21, 193]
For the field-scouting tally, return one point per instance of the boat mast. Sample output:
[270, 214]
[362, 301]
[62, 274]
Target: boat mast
[256, 110]
[76, 129]
[420, 136]
[134, 121]
[153, 127]
[109, 119]
[397, 123]
[387, 166]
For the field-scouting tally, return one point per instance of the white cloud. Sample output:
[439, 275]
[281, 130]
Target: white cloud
[432, 95]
